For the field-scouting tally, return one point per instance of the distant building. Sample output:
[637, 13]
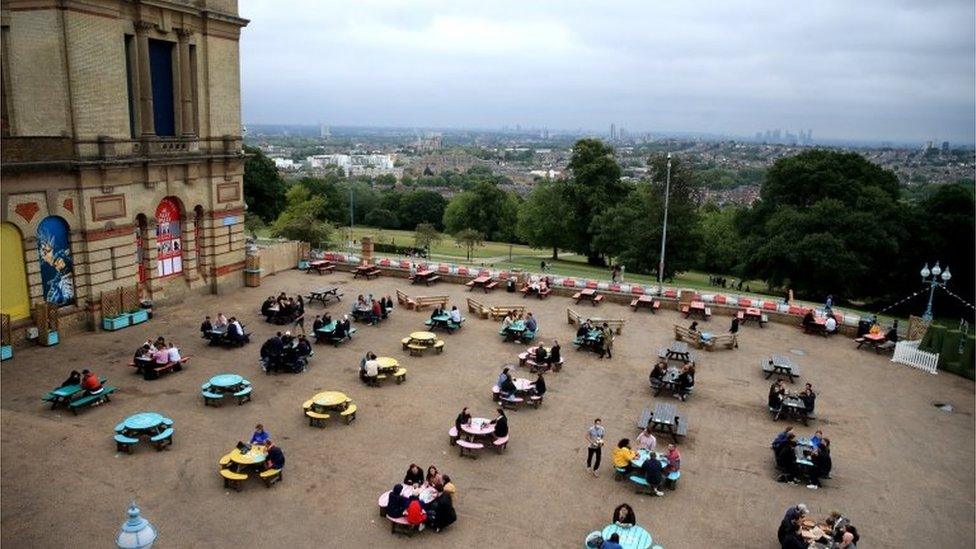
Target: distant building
[357, 164]
[324, 131]
[945, 146]
[613, 132]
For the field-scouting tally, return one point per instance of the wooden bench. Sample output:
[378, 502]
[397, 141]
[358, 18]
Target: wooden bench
[424, 301]
[92, 400]
[232, 479]
[270, 476]
[349, 413]
[405, 301]
[368, 273]
[655, 305]
[501, 311]
[439, 346]
[470, 447]
[729, 341]
[491, 285]
[316, 419]
[477, 308]
[684, 334]
[615, 324]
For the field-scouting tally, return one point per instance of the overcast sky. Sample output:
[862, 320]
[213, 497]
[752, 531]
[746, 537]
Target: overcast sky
[862, 69]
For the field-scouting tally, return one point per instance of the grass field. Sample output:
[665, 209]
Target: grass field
[446, 248]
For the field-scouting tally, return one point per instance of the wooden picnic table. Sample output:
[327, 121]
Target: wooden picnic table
[678, 350]
[752, 313]
[698, 308]
[665, 418]
[645, 301]
[323, 295]
[320, 266]
[426, 276]
[781, 366]
[366, 271]
[668, 381]
[484, 282]
[588, 294]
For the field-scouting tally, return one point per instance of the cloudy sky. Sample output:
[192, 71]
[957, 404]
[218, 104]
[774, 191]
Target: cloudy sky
[866, 69]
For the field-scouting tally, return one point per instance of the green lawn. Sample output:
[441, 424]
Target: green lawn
[445, 249]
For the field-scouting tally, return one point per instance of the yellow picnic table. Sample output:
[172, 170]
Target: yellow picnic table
[329, 399]
[424, 337]
[387, 363]
[257, 454]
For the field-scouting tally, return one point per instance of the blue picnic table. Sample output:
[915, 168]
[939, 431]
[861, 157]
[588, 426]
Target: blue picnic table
[158, 428]
[222, 385]
[74, 397]
[631, 537]
[226, 381]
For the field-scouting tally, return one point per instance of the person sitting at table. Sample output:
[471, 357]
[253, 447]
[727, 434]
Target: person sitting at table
[340, 331]
[143, 356]
[623, 454]
[613, 542]
[507, 321]
[346, 324]
[371, 371]
[414, 476]
[809, 398]
[646, 439]
[206, 327]
[287, 339]
[624, 516]
[501, 424]
[822, 463]
[539, 385]
[173, 353]
[455, 315]
[260, 436]
[792, 538]
[436, 312]
[160, 342]
[90, 383]
[441, 513]
[74, 378]
[450, 489]
[434, 477]
[653, 473]
[271, 351]
[396, 504]
[303, 348]
[235, 331]
[685, 382]
[530, 324]
[161, 356]
[221, 322]
[809, 320]
[658, 372]
[267, 306]
[507, 389]
[376, 313]
[540, 355]
[276, 458]
[387, 305]
[416, 516]
[781, 438]
[777, 392]
[463, 418]
[555, 353]
[786, 460]
[830, 326]
[317, 323]
[674, 459]
[583, 330]
[502, 376]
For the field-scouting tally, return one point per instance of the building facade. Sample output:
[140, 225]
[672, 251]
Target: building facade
[121, 153]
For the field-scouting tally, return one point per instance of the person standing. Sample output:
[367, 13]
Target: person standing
[594, 450]
[607, 348]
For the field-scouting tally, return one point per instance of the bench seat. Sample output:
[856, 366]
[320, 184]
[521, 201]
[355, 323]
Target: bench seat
[224, 460]
[470, 447]
[452, 434]
[349, 413]
[232, 479]
[416, 350]
[91, 400]
[163, 439]
[243, 395]
[209, 397]
[124, 443]
[439, 346]
[500, 444]
[270, 476]
[315, 419]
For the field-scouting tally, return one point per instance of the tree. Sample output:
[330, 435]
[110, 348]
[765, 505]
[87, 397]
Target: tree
[264, 190]
[302, 219]
[469, 239]
[425, 236]
[543, 219]
[382, 218]
[594, 188]
[485, 208]
[420, 206]
[336, 203]
[721, 247]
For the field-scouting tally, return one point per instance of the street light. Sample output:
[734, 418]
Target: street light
[932, 277]
[137, 532]
[664, 230]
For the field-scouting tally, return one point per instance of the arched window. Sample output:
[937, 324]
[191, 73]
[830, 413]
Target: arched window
[54, 252]
[140, 236]
[14, 299]
[169, 245]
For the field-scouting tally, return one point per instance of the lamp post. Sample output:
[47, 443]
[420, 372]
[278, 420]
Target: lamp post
[136, 532]
[664, 230]
[932, 277]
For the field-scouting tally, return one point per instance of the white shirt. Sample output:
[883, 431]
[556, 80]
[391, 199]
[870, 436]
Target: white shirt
[831, 324]
[372, 368]
[455, 315]
[174, 354]
[240, 329]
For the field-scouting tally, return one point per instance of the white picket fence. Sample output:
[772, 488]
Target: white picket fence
[907, 353]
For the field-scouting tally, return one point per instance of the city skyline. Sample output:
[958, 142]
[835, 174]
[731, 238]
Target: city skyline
[865, 72]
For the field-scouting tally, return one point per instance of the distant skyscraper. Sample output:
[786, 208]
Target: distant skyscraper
[945, 146]
[613, 131]
[324, 131]
[809, 136]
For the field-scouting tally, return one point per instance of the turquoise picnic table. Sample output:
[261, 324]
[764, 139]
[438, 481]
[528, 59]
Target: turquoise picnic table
[157, 427]
[642, 456]
[631, 537]
[63, 395]
[222, 385]
[226, 381]
[143, 421]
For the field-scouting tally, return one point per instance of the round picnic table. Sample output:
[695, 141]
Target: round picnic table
[257, 454]
[330, 399]
[226, 381]
[478, 426]
[642, 456]
[143, 421]
[522, 384]
[387, 362]
[423, 337]
[631, 537]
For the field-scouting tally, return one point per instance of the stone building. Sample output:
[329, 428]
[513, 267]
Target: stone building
[121, 153]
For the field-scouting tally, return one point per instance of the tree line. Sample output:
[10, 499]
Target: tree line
[827, 222]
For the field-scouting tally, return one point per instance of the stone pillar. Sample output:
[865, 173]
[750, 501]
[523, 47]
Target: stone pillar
[367, 249]
[145, 79]
[186, 83]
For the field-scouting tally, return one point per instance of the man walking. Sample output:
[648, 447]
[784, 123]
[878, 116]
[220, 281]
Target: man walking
[594, 450]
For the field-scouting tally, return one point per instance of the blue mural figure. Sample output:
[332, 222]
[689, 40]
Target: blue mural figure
[54, 250]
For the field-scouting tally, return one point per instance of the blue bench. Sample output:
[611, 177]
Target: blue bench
[163, 439]
[124, 443]
[211, 397]
[672, 479]
[243, 395]
[641, 485]
[91, 400]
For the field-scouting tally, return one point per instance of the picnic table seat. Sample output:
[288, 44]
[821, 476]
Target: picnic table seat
[671, 481]
[124, 443]
[416, 350]
[640, 485]
[500, 444]
[270, 476]
[439, 346]
[243, 395]
[399, 525]
[224, 460]
[211, 397]
[491, 285]
[452, 435]
[163, 439]
[535, 400]
[470, 447]
[232, 479]
[400, 374]
[92, 400]
[316, 419]
[348, 337]
[349, 413]
[512, 403]
[729, 341]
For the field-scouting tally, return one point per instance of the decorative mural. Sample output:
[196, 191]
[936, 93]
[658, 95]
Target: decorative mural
[54, 252]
